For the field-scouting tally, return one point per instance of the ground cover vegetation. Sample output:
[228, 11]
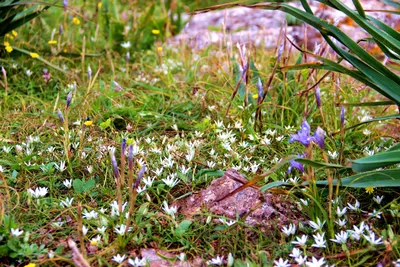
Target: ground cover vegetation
[106, 126]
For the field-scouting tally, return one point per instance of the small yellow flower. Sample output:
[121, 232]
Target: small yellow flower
[14, 33]
[255, 96]
[88, 123]
[9, 36]
[51, 42]
[155, 31]
[6, 43]
[76, 21]
[369, 189]
[9, 49]
[94, 242]
[99, 5]
[30, 265]
[34, 55]
[159, 49]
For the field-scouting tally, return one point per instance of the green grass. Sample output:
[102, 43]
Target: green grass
[172, 108]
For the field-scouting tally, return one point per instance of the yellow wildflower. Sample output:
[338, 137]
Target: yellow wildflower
[99, 5]
[369, 189]
[6, 43]
[159, 49]
[155, 31]
[76, 21]
[34, 55]
[30, 265]
[51, 42]
[255, 96]
[14, 33]
[94, 242]
[9, 49]
[9, 36]
[88, 123]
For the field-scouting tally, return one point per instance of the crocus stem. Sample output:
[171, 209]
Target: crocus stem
[80, 231]
[66, 141]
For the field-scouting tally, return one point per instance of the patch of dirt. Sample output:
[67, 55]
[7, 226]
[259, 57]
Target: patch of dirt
[264, 210]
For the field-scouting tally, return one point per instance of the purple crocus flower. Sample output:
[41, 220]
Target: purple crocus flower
[89, 71]
[318, 137]
[60, 115]
[296, 165]
[139, 177]
[65, 4]
[118, 88]
[342, 116]
[130, 157]
[46, 75]
[69, 98]
[302, 136]
[280, 50]
[114, 164]
[318, 96]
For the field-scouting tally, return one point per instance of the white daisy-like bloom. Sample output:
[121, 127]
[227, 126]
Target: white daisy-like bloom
[16, 232]
[341, 238]
[169, 210]
[315, 262]
[67, 202]
[137, 262]
[121, 229]
[126, 45]
[216, 261]
[290, 230]
[282, 263]
[118, 258]
[301, 241]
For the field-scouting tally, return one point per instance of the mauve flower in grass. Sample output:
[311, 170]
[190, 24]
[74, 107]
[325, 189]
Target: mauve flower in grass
[342, 116]
[318, 137]
[60, 29]
[114, 164]
[302, 136]
[69, 98]
[140, 176]
[296, 165]
[60, 115]
[46, 75]
[318, 96]
[130, 157]
[260, 90]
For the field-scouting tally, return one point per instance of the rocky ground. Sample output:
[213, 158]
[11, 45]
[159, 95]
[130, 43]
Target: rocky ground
[262, 27]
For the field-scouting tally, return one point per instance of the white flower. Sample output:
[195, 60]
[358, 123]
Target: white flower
[115, 208]
[121, 229]
[341, 223]
[378, 199]
[301, 241]
[141, 189]
[291, 230]
[38, 192]
[317, 225]
[301, 260]
[366, 132]
[170, 181]
[89, 168]
[1, 169]
[7, 149]
[216, 261]
[67, 183]
[339, 212]
[95, 240]
[137, 262]
[60, 167]
[67, 202]
[319, 240]
[16, 232]
[158, 171]
[333, 155]
[371, 239]
[355, 207]
[90, 215]
[295, 253]
[315, 262]
[282, 263]
[118, 258]
[102, 229]
[148, 181]
[169, 210]
[28, 72]
[84, 230]
[357, 232]
[341, 238]
[375, 213]
[126, 45]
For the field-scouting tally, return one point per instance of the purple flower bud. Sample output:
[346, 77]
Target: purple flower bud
[280, 50]
[318, 96]
[318, 137]
[302, 136]
[60, 29]
[130, 157]
[3, 70]
[260, 90]
[118, 88]
[128, 57]
[123, 146]
[65, 4]
[69, 98]
[46, 75]
[114, 165]
[296, 165]
[342, 116]
[60, 115]
[139, 177]
[89, 72]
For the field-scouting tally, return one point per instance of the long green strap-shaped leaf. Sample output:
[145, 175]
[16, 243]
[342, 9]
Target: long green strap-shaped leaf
[376, 161]
[384, 178]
